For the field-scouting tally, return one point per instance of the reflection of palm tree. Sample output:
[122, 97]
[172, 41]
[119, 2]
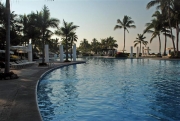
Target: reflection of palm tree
[125, 24]
[139, 40]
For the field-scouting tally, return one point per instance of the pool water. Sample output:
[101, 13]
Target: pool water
[112, 90]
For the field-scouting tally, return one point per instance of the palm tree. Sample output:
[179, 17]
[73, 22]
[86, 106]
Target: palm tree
[53, 45]
[95, 45]
[125, 24]
[73, 38]
[140, 40]
[65, 32]
[155, 29]
[175, 13]
[104, 45]
[164, 6]
[111, 44]
[44, 22]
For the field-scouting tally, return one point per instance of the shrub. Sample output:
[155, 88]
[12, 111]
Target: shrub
[67, 61]
[174, 56]
[158, 55]
[119, 54]
[43, 64]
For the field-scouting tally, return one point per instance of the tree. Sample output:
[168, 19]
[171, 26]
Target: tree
[111, 44]
[84, 46]
[65, 31]
[140, 40]
[175, 13]
[155, 29]
[44, 22]
[165, 7]
[125, 24]
[95, 46]
[73, 38]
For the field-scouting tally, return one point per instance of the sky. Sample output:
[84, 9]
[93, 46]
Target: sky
[97, 18]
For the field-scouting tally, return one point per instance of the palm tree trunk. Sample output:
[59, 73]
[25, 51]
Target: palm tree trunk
[7, 56]
[71, 50]
[165, 43]
[43, 53]
[159, 44]
[124, 42]
[171, 29]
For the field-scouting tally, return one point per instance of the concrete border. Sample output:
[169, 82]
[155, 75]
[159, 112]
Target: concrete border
[18, 97]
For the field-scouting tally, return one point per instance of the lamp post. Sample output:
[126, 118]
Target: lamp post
[7, 57]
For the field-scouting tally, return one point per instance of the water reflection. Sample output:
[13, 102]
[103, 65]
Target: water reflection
[167, 101]
[44, 103]
[113, 89]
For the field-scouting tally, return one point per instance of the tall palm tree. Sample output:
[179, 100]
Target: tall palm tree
[140, 40]
[175, 13]
[155, 29]
[164, 6]
[44, 22]
[65, 31]
[125, 24]
[166, 34]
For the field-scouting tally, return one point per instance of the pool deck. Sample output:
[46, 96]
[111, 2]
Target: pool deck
[18, 96]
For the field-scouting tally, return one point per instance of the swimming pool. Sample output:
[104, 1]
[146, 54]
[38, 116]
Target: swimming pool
[112, 90]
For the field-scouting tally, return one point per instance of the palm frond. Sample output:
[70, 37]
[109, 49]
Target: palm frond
[152, 3]
[117, 27]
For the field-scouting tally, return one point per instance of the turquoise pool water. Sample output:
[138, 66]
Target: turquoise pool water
[112, 90]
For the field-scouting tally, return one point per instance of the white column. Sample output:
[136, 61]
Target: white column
[137, 52]
[30, 53]
[61, 53]
[131, 54]
[74, 52]
[142, 51]
[46, 53]
[147, 50]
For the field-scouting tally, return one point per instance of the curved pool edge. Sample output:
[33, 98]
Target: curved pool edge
[48, 71]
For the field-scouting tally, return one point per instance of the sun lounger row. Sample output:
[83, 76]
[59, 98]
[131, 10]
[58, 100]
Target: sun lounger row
[20, 64]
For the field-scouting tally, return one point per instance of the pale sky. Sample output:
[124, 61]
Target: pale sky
[96, 18]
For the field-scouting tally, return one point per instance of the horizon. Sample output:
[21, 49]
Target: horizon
[97, 18]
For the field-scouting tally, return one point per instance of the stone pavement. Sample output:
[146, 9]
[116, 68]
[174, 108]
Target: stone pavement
[18, 96]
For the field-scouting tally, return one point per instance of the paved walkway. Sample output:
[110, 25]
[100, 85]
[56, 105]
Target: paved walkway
[18, 96]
